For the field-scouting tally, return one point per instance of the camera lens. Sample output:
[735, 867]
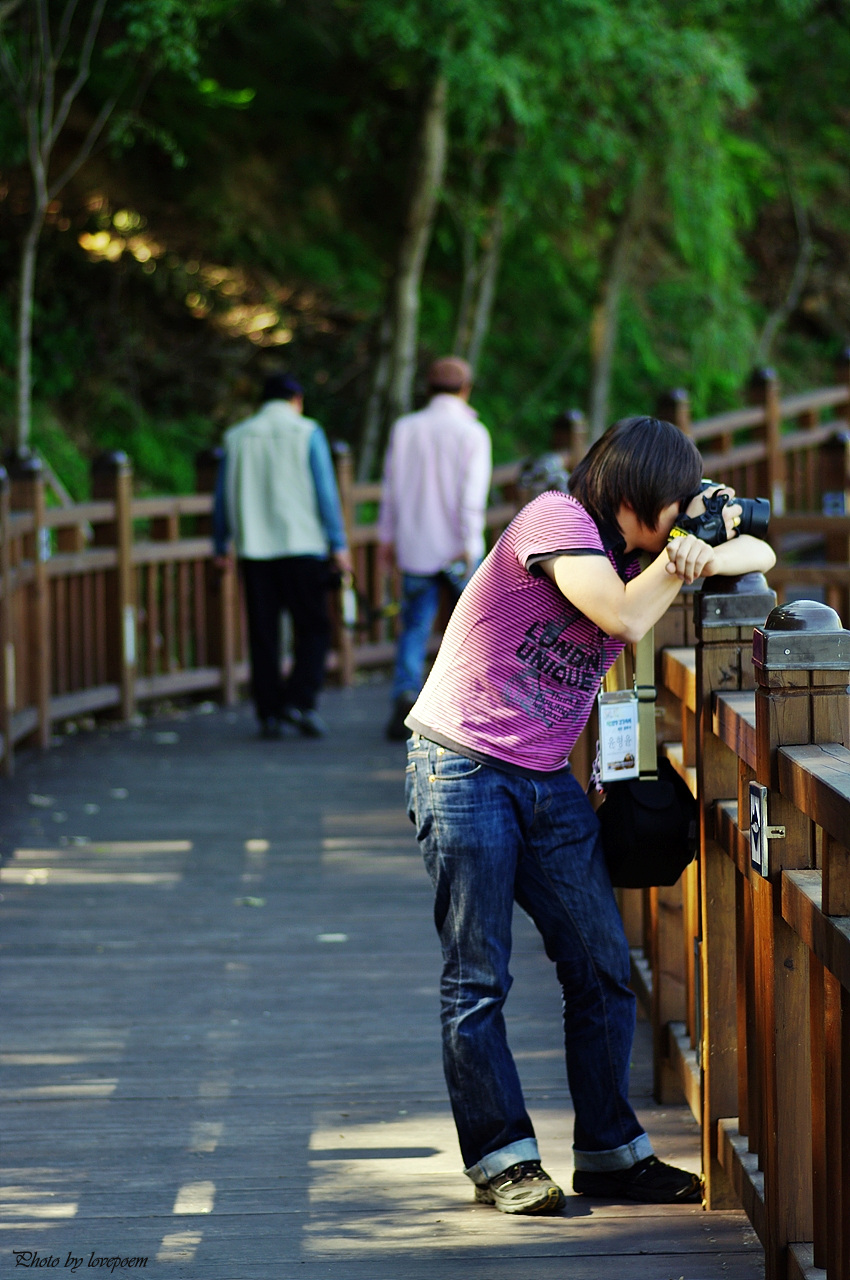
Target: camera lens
[755, 516]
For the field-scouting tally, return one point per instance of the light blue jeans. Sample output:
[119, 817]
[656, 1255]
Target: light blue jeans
[420, 600]
[491, 838]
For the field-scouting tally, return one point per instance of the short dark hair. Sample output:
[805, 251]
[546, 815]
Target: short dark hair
[281, 386]
[645, 462]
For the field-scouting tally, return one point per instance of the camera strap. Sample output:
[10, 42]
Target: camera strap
[646, 697]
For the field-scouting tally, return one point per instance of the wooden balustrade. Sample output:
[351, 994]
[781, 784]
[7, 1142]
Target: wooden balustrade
[744, 967]
[116, 602]
[794, 450]
[109, 603]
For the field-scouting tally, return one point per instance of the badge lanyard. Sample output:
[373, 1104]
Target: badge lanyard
[627, 722]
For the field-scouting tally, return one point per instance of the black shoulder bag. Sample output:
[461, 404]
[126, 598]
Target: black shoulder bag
[648, 824]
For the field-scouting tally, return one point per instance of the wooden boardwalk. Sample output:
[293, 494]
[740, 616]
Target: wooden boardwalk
[220, 1046]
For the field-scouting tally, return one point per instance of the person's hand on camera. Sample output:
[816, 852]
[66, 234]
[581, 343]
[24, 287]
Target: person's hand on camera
[731, 511]
[732, 516]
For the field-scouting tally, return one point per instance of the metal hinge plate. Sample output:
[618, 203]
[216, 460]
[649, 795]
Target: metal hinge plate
[760, 829]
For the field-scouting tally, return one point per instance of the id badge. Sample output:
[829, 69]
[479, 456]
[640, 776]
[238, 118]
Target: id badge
[618, 736]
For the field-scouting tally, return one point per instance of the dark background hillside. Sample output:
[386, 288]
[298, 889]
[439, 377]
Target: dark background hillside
[251, 219]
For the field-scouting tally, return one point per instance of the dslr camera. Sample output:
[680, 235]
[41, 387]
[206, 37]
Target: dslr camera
[710, 527]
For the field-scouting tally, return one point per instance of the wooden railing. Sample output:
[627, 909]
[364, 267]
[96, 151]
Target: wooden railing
[114, 603]
[744, 965]
[794, 450]
[108, 603]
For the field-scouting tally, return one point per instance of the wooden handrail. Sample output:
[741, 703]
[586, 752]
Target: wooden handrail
[179, 615]
[761, 1045]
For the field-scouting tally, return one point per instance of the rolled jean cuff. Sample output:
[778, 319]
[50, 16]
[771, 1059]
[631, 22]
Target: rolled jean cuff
[498, 1161]
[618, 1158]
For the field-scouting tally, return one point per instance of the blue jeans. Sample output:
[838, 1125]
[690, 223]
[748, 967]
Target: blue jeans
[420, 600]
[490, 838]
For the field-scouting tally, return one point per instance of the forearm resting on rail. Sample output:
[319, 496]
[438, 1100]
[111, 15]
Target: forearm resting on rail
[627, 610]
[623, 610]
[740, 555]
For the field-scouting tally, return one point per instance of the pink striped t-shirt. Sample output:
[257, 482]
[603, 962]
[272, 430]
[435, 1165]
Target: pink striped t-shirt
[519, 665]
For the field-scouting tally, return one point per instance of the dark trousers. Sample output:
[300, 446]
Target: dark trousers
[299, 585]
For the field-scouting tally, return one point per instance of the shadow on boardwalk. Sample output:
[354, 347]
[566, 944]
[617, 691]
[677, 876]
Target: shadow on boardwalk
[221, 1049]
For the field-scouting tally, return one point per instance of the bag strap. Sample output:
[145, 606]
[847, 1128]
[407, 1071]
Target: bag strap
[646, 695]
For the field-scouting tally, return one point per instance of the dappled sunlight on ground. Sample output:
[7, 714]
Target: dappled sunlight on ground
[222, 1045]
[89, 863]
[398, 1184]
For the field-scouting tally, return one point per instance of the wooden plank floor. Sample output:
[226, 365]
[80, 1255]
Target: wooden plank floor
[220, 1047]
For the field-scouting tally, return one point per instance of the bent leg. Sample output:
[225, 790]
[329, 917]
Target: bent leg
[563, 884]
[465, 819]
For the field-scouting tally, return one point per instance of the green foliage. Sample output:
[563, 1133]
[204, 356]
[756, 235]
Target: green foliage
[51, 441]
[274, 142]
[214, 95]
[162, 451]
[167, 33]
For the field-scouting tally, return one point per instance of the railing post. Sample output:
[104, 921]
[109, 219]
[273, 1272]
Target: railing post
[764, 390]
[802, 662]
[725, 612]
[842, 373]
[222, 595]
[112, 480]
[27, 494]
[675, 406]
[569, 435]
[344, 464]
[7, 644]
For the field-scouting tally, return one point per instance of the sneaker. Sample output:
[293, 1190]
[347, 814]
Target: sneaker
[396, 730]
[270, 727]
[523, 1188]
[649, 1181]
[308, 723]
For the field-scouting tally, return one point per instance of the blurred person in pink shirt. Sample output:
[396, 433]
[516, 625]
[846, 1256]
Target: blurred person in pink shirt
[436, 482]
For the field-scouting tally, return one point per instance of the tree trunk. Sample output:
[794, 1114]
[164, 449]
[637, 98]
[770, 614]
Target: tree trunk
[428, 180]
[392, 386]
[468, 286]
[780, 314]
[468, 210]
[606, 316]
[43, 118]
[487, 275]
[25, 310]
[374, 416]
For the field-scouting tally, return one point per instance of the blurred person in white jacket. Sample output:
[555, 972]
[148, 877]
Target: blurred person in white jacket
[277, 500]
[436, 482]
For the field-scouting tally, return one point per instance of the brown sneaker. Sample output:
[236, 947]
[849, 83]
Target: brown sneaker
[523, 1188]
